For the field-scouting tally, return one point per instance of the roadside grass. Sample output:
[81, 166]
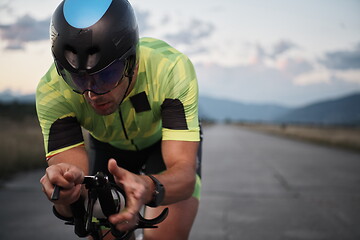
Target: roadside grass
[335, 136]
[21, 145]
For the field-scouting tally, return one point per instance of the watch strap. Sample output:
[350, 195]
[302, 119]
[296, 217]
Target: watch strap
[158, 193]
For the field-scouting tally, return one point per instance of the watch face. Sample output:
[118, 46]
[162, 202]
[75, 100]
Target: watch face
[158, 194]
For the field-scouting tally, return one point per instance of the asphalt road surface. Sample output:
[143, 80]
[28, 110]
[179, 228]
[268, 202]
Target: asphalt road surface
[255, 187]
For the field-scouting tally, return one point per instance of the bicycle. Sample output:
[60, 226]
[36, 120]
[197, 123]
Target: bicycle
[90, 215]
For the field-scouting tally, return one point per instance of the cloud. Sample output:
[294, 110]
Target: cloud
[142, 18]
[294, 66]
[165, 19]
[261, 84]
[193, 32]
[282, 47]
[262, 54]
[352, 76]
[4, 7]
[28, 29]
[25, 29]
[197, 51]
[343, 59]
[312, 78]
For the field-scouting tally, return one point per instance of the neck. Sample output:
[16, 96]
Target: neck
[133, 81]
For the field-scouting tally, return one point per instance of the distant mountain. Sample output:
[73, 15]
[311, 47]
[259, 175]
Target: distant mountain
[341, 111]
[9, 96]
[227, 110]
[345, 111]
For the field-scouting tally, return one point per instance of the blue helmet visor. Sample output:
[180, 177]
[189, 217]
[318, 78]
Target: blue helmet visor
[99, 83]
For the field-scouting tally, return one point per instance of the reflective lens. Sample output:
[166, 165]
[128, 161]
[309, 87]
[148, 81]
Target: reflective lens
[100, 83]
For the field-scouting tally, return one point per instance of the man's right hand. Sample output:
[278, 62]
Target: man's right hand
[68, 177]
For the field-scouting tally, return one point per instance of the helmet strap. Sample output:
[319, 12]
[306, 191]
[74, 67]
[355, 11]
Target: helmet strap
[127, 89]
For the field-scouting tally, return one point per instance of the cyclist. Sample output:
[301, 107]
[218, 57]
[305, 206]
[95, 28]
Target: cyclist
[137, 99]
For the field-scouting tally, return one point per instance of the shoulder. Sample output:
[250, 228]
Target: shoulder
[153, 43]
[50, 83]
[54, 98]
[157, 56]
[49, 80]
[158, 50]
[51, 86]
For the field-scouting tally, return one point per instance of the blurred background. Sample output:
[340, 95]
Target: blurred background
[275, 62]
[290, 68]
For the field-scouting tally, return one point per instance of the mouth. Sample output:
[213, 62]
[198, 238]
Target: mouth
[101, 106]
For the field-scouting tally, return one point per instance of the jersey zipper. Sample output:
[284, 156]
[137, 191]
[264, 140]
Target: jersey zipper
[123, 125]
[125, 132]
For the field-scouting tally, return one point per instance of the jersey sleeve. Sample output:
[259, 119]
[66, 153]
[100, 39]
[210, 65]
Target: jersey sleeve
[60, 128]
[179, 110]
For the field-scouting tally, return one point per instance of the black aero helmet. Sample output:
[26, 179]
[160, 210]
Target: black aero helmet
[91, 36]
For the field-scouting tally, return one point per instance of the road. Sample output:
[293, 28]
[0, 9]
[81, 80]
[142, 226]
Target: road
[255, 187]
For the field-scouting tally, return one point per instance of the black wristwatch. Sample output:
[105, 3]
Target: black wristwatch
[158, 194]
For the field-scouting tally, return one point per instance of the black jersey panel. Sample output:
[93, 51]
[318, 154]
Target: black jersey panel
[173, 114]
[140, 102]
[63, 133]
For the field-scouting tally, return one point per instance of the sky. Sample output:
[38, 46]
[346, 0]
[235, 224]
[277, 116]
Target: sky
[283, 52]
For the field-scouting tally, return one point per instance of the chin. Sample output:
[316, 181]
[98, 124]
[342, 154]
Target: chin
[105, 112]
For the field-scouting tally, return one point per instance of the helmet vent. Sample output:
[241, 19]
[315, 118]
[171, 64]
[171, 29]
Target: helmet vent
[71, 56]
[93, 57]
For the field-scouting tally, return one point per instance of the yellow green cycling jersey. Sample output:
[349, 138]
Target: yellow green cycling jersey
[162, 105]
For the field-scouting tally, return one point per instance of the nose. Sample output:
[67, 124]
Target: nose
[91, 95]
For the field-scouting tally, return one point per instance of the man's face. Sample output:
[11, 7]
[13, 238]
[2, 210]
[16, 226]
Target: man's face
[107, 103]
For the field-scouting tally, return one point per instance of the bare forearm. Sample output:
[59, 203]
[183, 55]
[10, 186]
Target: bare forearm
[180, 176]
[179, 184]
[76, 156]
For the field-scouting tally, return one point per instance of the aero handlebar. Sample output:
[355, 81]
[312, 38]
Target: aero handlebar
[90, 215]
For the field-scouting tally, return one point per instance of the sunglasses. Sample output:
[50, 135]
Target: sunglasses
[99, 83]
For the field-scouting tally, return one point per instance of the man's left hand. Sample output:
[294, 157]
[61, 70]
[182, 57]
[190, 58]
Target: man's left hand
[138, 190]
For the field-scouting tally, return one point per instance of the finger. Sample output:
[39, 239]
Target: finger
[126, 226]
[133, 205]
[47, 187]
[55, 175]
[115, 170]
[66, 196]
[124, 221]
[75, 193]
[74, 175]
